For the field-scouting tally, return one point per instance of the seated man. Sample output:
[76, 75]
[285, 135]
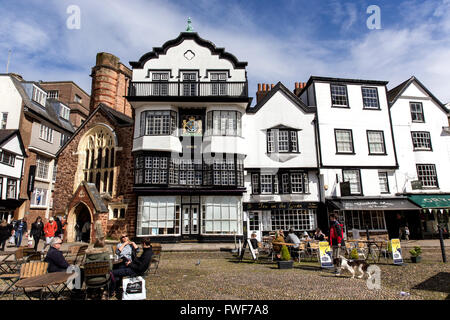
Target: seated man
[136, 267]
[126, 251]
[55, 258]
[292, 238]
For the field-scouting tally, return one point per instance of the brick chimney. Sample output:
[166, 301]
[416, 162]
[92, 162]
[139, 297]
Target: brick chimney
[262, 91]
[110, 80]
[299, 87]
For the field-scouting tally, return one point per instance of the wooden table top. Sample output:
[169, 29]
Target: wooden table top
[44, 280]
[284, 243]
[6, 253]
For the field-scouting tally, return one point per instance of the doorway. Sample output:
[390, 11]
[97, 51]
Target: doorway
[79, 224]
[190, 215]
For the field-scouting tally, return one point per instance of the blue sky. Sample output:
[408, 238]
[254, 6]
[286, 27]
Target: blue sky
[283, 40]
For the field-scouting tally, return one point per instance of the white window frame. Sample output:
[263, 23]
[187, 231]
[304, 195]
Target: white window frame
[46, 133]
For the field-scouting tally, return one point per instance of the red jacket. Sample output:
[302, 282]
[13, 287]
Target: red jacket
[50, 229]
[336, 233]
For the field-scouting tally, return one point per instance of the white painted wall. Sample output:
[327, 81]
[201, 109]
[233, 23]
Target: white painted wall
[435, 120]
[10, 102]
[357, 119]
[174, 60]
[279, 110]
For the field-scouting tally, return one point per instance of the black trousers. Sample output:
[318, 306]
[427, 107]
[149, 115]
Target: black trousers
[36, 242]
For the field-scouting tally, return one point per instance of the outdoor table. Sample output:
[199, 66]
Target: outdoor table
[378, 243]
[50, 281]
[4, 255]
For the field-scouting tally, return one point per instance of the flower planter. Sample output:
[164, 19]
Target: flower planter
[285, 264]
[416, 259]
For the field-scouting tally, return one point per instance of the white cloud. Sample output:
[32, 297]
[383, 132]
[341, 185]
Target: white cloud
[47, 50]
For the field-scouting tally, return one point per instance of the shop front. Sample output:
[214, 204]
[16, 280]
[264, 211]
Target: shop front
[435, 212]
[203, 218]
[377, 215]
[264, 218]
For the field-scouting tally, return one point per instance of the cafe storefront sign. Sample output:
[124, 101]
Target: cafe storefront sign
[374, 204]
[279, 205]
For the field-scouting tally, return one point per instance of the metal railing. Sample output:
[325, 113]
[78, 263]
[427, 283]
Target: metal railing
[188, 89]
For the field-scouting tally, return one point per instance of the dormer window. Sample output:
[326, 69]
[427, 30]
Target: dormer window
[39, 96]
[219, 86]
[282, 140]
[53, 94]
[64, 112]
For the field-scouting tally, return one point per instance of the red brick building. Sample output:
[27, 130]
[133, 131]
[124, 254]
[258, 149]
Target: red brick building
[95, 167]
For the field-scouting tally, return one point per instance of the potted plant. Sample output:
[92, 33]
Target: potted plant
[354, 254]
[286, 262]
[415, 254]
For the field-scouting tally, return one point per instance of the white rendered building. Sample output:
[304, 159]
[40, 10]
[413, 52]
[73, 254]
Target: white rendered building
[281, 173]
[422, 135]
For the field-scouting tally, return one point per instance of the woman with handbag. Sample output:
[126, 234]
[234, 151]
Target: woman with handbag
[37, 231]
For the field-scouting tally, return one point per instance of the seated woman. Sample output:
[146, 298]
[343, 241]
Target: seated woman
[134, 268]
[54, 258]
[126, 251]
[318, 235]
[96, 254]
[279, 237]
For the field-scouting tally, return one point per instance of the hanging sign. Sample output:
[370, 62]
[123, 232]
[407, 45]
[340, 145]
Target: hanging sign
[396, 251]
[325, 255]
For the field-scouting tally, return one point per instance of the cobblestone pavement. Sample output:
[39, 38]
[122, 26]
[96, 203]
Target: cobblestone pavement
[220, 276]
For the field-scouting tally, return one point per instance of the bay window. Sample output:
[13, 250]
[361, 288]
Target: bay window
[282, 141]
[224, 123]
[158, 123]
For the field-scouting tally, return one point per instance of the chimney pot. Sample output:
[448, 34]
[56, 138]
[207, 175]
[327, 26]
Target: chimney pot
[259, 87]
[272, 86]
[264, 87]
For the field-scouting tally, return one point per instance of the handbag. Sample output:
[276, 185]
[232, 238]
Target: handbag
[134, 288]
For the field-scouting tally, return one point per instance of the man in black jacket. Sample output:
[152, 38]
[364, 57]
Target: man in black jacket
[55, 258]
[136, 267]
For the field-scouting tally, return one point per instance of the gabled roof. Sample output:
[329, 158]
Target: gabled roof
[48, 112]
[95, 197]
[188, 36]
[6, 134]
[116, 117]
[342, 80]
[291, 96]
[396, 92]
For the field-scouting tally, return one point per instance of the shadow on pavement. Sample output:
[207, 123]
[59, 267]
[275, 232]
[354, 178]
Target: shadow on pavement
[439, 282]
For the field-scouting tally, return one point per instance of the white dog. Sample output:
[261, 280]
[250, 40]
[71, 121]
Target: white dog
[353, 265]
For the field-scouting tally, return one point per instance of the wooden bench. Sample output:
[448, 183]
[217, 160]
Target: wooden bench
[27, 270]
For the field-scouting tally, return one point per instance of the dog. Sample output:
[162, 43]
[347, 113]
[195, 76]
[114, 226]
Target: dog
[353, 265]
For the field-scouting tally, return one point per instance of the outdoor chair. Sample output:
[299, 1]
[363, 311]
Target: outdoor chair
[362, 250]
[97, 275]
[19, 258]
[27, 270]
[79, 257]
[153, 267]
[301, 250]
[314, 249]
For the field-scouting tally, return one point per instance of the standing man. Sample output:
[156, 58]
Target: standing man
[49, 231]
[20, 227]
[336, 242]
[402, 227]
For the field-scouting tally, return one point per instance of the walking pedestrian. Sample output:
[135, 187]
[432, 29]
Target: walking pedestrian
[37, 231]
[336, 242]
[5, 233]
[49, 231]
[403, 230]
[20, 228]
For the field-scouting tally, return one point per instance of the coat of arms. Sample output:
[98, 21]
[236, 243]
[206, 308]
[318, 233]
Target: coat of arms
[192, 126]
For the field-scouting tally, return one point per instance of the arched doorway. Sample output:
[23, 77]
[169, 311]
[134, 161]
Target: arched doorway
[79, 224]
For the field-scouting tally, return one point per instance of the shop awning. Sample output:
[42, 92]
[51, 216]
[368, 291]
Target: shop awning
[374, 204]
[431, 201]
